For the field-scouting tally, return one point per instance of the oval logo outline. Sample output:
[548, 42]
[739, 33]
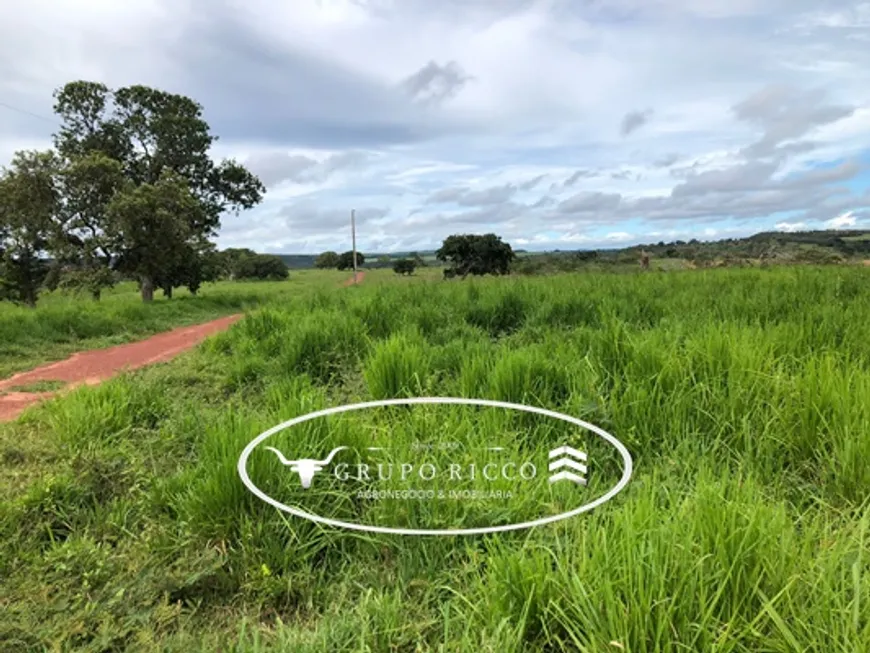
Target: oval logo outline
[628, 466]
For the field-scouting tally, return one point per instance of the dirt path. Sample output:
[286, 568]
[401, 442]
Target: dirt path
[360, 275]
[92, 367]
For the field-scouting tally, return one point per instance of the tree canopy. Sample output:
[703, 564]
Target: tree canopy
[404, 266]
[238, 264]
[129, 188]
[345, 261]
[327, 260]
[28, 208]
[476, 254]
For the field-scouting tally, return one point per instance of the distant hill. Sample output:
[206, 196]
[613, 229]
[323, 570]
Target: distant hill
[298, 261]
[306, 261]
[847, 242]
[397, 255]
[825, 238]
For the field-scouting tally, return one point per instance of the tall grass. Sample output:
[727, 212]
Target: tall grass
[743, 395]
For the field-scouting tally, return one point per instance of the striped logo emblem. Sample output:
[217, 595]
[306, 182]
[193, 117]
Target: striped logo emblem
[568, 464]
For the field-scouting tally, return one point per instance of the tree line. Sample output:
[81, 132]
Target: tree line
[465, 254]
[336, 261]
[129, 190]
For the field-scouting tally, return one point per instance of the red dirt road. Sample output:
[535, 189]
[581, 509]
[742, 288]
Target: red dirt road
[360, 275]
[92, 367]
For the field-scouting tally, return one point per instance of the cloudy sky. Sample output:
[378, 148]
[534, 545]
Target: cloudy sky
[554, 123]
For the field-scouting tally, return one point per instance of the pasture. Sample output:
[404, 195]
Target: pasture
[742, 394]
[64, 323]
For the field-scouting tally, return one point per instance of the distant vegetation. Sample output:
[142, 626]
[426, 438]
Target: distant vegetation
[763, 249]
[374, 261]
[767, 248]
[465, 254]
[240, 264]
[476, 255]
[404, 266]
[346, 260]
[327, 260]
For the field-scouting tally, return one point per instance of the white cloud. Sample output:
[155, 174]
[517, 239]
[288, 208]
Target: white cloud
[843, 221]
[792, 226]
[854, 16]
[551, 121]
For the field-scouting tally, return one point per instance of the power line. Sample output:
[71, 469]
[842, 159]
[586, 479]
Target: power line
[28, 113]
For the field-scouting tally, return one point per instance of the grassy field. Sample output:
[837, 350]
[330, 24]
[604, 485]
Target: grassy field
[743, 396]
[64, 323]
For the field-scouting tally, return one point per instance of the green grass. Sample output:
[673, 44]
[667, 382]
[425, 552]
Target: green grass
[38, 386]
[743, 395]
[64, 323]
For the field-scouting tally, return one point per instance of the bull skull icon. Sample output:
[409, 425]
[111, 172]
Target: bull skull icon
[306, 467]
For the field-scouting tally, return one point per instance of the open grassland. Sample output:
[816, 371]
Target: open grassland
[64, 323]
[743, 395]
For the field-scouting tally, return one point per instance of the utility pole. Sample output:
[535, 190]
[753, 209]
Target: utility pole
[353, 236]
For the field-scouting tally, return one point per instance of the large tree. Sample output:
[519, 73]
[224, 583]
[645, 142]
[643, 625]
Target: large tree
[404, 266]
[87, 248]
[243, 263]
[271, 267]
[326, 260]
[139, 135]
[475, 254]
[197, 265]
[345, 260]
[29, 198]
[237, 262]
[154, 221]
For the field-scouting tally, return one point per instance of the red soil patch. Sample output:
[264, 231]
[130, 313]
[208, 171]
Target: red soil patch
[92, 367]
[360, 275]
